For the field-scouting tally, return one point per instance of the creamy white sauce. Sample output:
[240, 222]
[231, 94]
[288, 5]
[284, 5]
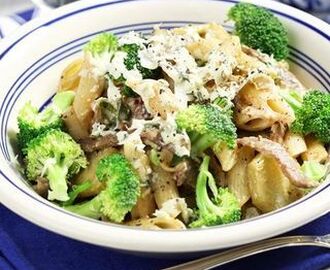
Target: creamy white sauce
[186, 80]
[174, 207]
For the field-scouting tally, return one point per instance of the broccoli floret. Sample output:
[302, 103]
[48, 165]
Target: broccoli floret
[225, 104]
[55, 156]
[62, 101]
[121, 192]
[314, 170]
[260, 29]
[32, 123]
[223, 209]
[105, 42]
[206, 125]
[312, 114]
[132, 60]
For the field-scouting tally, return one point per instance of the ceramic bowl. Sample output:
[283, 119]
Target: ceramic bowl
[30, 65]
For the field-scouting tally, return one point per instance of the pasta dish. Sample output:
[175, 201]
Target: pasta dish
[184, 128]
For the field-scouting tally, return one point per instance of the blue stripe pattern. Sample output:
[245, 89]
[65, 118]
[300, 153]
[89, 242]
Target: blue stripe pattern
[74, 47]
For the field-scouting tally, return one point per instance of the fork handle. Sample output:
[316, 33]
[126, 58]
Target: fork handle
[230, 255]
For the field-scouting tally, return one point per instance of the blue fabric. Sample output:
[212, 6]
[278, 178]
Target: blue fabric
[25, 246]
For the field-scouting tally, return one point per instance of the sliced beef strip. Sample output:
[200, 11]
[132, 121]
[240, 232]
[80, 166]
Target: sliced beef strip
[289, 165]
[92, 144]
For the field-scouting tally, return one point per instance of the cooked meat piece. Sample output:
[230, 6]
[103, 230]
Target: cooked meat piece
[186, 170]
[92, 144]
[289, 165]
[277, 132]
[42, 186]
[152, 137]
[137, 108]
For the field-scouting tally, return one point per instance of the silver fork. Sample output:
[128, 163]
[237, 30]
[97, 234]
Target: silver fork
[234, 254]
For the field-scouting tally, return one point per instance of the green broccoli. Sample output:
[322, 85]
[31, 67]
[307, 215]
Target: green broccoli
[314, 170]
[132, 60]
[259, 29]
[225, 104]
[32, 123]
[55, 156]
[223, 209]
[105, 42]
[206, 125]
[76, 190]
[293, 98]
[121, 192]
[312, 113]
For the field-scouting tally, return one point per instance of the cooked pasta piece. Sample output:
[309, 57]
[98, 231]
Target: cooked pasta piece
[90, 88]
[158, 223]
[157, 96]
[145, 205]
[294, 144]
[73, 125]
[88, 174]
[140, 161]
[226, 156]
[208, 37]
[237, 176]
[315, 150]
[289, 165]
[163, 186]
[258, 105]
[173, 208]
[268, 186]
[70, 77]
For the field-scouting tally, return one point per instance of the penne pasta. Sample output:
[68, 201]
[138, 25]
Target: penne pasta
[237, 177]
[268, 186]
[259, 106]
[89, 89]
[226, 156]
[294, 144]
[145, 205]
[163, 186]
[70, 77]
[73, 125]
[315, 150]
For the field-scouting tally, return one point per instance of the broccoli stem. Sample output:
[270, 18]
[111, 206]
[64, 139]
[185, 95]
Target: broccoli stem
[200, 144]
[56, 176]
[204, 203]
[201, 192]
[91, 209]
[76, 190]
[293, 98]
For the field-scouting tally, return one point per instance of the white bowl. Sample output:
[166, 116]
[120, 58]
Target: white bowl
[31, 62]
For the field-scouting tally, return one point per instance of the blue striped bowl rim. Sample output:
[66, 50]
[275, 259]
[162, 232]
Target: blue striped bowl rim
[26, 78]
